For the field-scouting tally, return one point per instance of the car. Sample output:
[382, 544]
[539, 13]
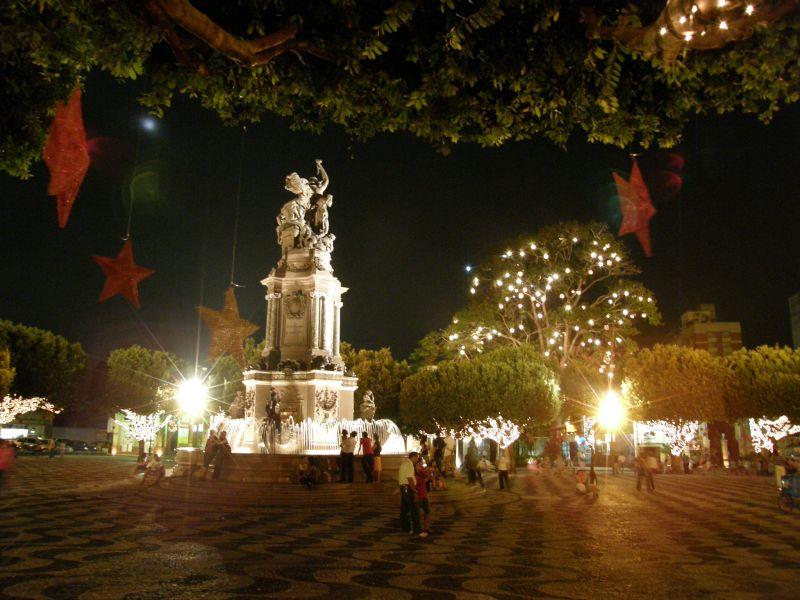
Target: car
[31, 445]
[76, 446]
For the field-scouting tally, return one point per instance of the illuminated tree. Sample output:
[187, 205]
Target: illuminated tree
[377, 370]
[13, 406]
[563, 292]
[143, 428]
[486, 71]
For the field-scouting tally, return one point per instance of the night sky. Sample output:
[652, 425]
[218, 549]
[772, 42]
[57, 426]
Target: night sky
[407, 221]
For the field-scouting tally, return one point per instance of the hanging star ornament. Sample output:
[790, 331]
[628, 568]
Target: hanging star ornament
[122, 275]
[228, 329]
[636, 206]
[66, 155]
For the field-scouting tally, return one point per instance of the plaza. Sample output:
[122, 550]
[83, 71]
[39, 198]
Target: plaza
[83, 527]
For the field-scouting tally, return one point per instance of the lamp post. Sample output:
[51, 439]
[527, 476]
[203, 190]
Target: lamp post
[611, 412]
[192, 398]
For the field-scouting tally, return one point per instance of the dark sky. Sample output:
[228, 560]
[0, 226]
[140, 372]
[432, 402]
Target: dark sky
[407, 221]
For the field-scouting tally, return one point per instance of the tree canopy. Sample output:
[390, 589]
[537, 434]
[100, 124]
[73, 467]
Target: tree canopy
[563, 291]
[377, 370]
[140, 379]
[45, 364]
[513, 382]
[676, 383]
[764, 382]
[6, 372]
[486, 71]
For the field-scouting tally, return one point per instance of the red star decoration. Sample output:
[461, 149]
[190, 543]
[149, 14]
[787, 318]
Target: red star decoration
[66, 155]
[228, 329]
[636, 206]
[122, 275]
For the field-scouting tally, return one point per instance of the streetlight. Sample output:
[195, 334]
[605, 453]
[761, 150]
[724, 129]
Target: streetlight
[611, 413]
[192, 398]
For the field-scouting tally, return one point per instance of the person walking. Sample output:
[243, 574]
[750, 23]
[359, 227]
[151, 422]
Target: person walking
[473, 463]
[51, 448]
[222, 454]
[407, 480]
[643, 472]
[62, 449]
[209, 452]
[367, 456]
[377, 466]
[348, 449]
[502, 470]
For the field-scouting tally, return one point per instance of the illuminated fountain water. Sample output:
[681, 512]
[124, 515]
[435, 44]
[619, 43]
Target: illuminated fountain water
[249, 436]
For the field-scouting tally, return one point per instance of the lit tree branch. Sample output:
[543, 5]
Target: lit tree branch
[12, 406]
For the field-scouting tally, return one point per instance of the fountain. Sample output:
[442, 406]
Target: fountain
[299, 398]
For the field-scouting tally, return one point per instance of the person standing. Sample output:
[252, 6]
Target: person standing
[502, 470]
[51, 448]
[222, 454]
[449, 454]
[473, 463]
[342, 468]
[209, 452]
[348, 449]
[643, 472]
[367, 458]
[438, 451]
[423, 477]
[377, 464]
[407, 480]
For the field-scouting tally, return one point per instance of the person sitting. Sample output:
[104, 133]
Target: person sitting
[155, 468]
[306, 473]
[141, 463]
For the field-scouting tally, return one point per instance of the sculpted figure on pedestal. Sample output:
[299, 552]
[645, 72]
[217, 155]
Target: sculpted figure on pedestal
[367, 408]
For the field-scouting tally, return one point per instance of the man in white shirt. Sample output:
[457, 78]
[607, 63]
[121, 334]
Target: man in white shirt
[348, 448]
[502, 469]
[407, 480]
[449, 454]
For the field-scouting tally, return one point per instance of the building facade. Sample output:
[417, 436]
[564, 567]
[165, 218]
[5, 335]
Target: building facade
[700, 329]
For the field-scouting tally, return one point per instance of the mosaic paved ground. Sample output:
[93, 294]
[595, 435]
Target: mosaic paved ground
[80, 527]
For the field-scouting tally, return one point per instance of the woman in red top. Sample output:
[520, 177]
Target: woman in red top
[367, 462]
[423, 476]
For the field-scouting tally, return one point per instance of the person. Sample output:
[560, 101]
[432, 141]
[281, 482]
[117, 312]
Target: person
[449, 454]
[473, 463]
[423, 476]
[619, 466]
[348, 448]
[345, 437]
[592, 484]
[685, 458]
[502, 470]
[155, 468]
[6, 459]
[377, 465]
[209, 452]
[62, 448]
[306, 473]
[438, 451]
[407, 480]
[644, 472]
[368, 457]
[424, 452]
[222, 453]
[141, 463]
[51, 448]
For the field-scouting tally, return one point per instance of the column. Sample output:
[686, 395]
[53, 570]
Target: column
[272, 320]
[337, 307]
[324, 316]
[314, 318]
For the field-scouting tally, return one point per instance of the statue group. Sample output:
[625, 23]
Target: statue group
[303, 221]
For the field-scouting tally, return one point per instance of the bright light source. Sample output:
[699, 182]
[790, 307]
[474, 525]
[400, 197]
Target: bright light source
[611, 413]
[148, 123]
[468, 268]
[192, 397]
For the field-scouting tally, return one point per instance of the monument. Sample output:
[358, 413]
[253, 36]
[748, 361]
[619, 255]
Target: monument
[301, 374]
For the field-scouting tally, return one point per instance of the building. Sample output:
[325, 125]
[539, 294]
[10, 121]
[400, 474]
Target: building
[700, 329]
[794, 315]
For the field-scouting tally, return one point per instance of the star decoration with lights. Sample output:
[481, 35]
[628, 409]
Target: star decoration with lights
[636, 206]
[66, 155]
[122, 275]
[228, 329]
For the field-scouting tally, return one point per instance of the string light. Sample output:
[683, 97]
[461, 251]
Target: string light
[765, 432]
[678, 436]
[143, 427]
[13, 406]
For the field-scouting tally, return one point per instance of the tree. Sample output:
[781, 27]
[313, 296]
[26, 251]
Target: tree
[140, 379]
[6, 372]
[513, 382]
[675, 383]
[763, 382]
[563, 291]
[377, 370]
[486, 71]
[45, 364]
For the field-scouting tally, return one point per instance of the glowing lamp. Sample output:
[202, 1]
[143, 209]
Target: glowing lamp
[192, 397]
[611, 413]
